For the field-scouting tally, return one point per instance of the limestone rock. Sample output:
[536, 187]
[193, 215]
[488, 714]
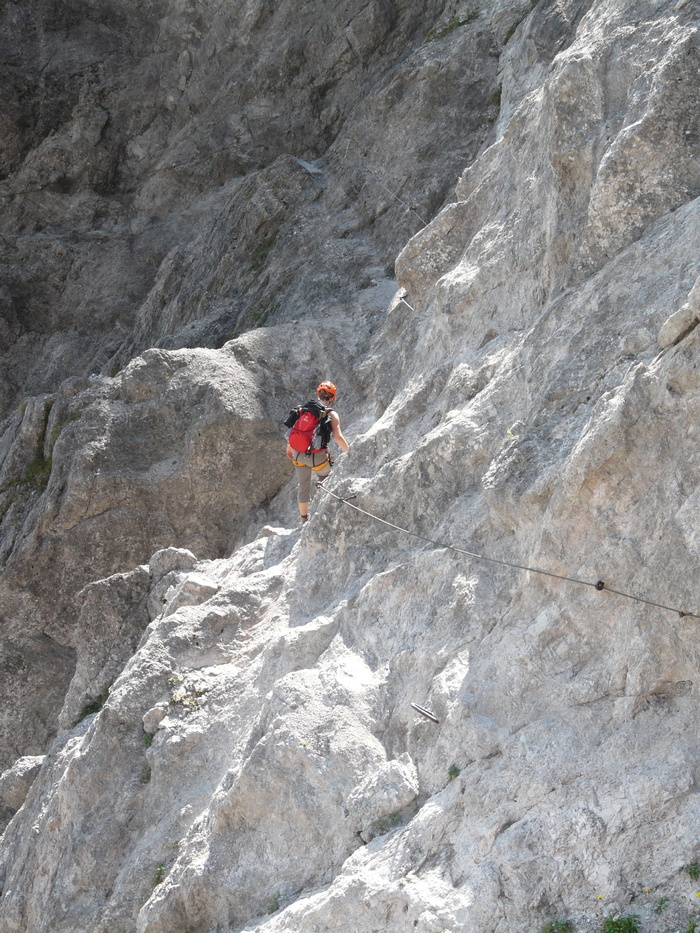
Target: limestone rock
[111, 621]
[682, 321]
[16, 781]
[516, 437]
[194, 589]
[154, 717]
[375, 804]
[100, 475]
[170, 559]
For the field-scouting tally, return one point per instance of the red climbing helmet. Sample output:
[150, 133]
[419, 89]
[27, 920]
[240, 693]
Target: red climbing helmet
[328, 389]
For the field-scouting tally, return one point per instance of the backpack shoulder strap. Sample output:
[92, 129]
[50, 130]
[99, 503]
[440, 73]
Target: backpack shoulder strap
[315, 408]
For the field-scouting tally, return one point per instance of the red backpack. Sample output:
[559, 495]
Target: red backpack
[311, 428]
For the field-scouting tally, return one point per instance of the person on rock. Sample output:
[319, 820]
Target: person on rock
[311, 428]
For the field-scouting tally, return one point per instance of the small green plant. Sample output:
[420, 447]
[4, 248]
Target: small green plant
[660, 905]
[36, 475]
[692, 926]
[626, 924]
[94, 706]
[59, 427]
[185, 695]
[258, 316]
[693, 871]
[395, 819]
[495, 98]
[439, 32]
[558, 926]
[147, 739]
[159, 875]
[261, 252]
[511, 32]
[274, 905]
[145, 775]
[453, 772]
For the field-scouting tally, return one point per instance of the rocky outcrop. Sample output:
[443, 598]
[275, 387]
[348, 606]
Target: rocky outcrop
[174, 449]
[510, 543]
[177, 174]
[16, 781]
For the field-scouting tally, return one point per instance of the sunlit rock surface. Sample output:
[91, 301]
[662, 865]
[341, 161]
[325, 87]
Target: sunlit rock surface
[226, 701]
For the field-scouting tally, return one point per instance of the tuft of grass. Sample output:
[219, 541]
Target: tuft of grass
[159, 875]
[511, 32]
[692, 870]
[259, 317]
[94, 706]
[59, 427]
[626, 924]
[185, 695]
[261, 252]
[495, 98]
[35, 476]
[660, 905]
[439, 32]
[274, 905]
[147, 739]
[453, 772]
[558, 926]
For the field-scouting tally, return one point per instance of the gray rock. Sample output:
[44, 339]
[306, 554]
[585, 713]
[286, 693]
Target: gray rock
[375, 804]
[509, 408]
[170, 559]
[154, 717]
[16, 781]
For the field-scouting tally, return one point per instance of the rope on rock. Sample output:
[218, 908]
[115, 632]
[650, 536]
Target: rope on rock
[598, 585]
[395, 196]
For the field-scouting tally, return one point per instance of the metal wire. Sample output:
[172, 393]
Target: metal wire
[599, 585]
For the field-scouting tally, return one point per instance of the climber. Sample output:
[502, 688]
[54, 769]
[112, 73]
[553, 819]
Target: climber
[311, 428]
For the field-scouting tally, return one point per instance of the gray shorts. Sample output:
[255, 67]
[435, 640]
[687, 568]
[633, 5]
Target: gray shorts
[306, 466]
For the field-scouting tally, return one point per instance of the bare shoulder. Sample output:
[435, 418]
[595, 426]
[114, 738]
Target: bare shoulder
[334, 416]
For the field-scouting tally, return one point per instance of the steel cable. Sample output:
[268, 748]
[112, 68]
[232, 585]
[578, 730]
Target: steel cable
[599, 585]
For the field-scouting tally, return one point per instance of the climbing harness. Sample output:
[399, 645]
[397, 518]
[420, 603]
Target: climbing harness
[599, 585]
[317, 467]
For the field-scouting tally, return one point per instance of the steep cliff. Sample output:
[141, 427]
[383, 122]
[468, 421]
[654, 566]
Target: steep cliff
[209, 714]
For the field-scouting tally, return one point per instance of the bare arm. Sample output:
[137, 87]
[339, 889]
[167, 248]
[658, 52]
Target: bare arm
[337, 433]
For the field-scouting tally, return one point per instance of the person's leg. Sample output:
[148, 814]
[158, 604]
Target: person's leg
[303, 490]
[323, 472]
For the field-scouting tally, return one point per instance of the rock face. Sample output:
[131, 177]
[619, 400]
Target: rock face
[224, 705]
[178, 173]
